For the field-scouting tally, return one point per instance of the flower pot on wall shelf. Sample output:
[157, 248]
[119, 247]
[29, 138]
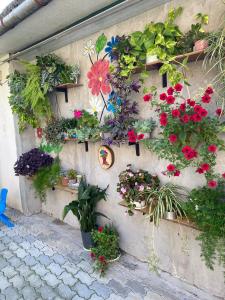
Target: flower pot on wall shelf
[170, 215]
[151, 59]
[139, 205]
[201, 45]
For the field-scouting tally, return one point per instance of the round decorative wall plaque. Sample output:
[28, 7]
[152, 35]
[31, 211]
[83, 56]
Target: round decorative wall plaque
[105, 157]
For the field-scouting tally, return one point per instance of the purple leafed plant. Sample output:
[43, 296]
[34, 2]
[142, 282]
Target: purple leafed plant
[30, 162]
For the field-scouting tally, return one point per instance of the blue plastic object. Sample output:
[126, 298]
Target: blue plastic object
[3, 218]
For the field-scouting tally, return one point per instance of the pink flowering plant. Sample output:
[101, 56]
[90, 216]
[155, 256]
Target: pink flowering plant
[189, 135]
[133, 186]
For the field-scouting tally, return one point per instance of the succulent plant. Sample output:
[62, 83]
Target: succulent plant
[144, 126]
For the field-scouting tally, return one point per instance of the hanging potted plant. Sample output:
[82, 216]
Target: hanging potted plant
[84, 209]
[106, 249]
[144, 127]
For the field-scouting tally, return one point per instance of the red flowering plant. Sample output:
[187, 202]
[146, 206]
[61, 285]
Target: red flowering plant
[106, 240]
[189, 134]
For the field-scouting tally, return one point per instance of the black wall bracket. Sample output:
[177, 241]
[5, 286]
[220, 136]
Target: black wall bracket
[63, 90]
[137, 147]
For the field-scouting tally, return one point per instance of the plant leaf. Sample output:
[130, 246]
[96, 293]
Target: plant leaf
[100, 43]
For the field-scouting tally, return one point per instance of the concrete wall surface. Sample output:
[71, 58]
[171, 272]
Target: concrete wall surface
[174, 245]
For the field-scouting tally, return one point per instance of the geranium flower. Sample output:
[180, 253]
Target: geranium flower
[223, 175]
[206, 98]
[186, 149]
[140, 136]
[205, 167]
[175, 113]
[163, 115]
[219, 111]
[178, 87]
[212, 184]
[101, 258]
[173, 138]
[96, 105]
[171, 168]
[111, 45]
[77, 114]
[200, 171]
[89, 48]
[183, 107]
[170, 91]
[191, 154]
[147, 97]
[203, 113]
[170, 99]
[191, 102]
[209, 90]
[176, 173]
[123, 190]
[196, 118]
[141, 188]
[132, 136]
[163, 96]
[212, 148]
[100, 229]
[92, 255]
[185, 118]
[163, 121]
[198, 108]
[97, 76]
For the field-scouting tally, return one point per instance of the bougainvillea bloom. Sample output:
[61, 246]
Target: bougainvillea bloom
[212, 184]
[171, 168]
[191, 102]
[77, 114]
[205, 167]
[163, 96]
[219, 111]
[147, 97]
[100, 229]
[175, 113]
[178, 87]
[170, 99]
[170, 91]
[98, 77]
[173, 138]
[206, 98]
[212, 148]
[209, 90]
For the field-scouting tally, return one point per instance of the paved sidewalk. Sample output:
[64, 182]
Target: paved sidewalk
[42, 258]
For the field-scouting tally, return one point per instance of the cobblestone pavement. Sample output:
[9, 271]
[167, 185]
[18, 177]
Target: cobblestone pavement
[42, 258]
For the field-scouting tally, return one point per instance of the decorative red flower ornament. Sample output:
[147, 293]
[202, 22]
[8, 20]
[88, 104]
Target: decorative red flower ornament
[97, 76]
[102, 259]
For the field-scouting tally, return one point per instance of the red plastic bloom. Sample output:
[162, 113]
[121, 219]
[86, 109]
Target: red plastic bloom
[200, 171]
[206, 98]
[140, 136]
[170, 99]
[170, 91]
[100, 229]
[173, 138]
[77, 114]
[175, 113]
[212, 148]
[132, 136]
[147, 97]
[98, 77]
[209, 90]
[212, 184]
[176, 173]
[191, 102]
[183, 107]
[185, 118]
[163, 121]
[219, 111]
[205, 167]
[178, 87]
[171, 168]
[163, 96]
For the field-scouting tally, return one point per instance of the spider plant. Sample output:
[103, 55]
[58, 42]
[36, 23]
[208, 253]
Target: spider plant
[167, 198]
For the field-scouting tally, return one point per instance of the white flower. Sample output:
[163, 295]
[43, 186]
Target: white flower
[141, 188]
[196, 207]
[89, 48]
[123, 190]
[96, 105]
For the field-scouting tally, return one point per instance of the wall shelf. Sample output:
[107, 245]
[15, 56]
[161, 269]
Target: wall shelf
[180, 221]
[63, 88]
[66, 189]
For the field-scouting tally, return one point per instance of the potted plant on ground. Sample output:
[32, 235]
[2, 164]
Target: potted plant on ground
[144, 127]
[132, 187]
[165, 202]
[84, 209]
[106, 249]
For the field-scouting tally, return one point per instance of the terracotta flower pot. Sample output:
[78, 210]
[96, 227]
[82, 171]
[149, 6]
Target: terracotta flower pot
[201, 45]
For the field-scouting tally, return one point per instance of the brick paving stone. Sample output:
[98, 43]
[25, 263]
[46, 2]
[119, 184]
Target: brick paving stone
[59, 259]
[2, 246]
[44, 260]
[95, 297]
[71, 268]
[3, 263]
[101, 289]
[84, 265]
[4, 283]
[84, 277]
[6, 240]
[9, 271]
[25, 245]
[83, 290]
[30, 260]
[64, 291]
[15, 262]
[55, 269]
[11, 293]
[17, 239]
[47, 293]
[21, 253]
[7, 254]
[48, 251]
[68, 279]
[18, 282]
[51, 280]
[38, 244]
[136, 286]
[24, 270]
[118, 288]
[28, 293]
[34, 252]
[40, 269]
[35, 281]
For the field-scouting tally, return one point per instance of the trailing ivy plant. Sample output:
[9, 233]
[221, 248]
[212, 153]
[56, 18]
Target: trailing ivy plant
[206, 208]
[19, 106]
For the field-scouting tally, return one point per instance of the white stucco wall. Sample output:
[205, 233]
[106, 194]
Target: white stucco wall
[175, 245]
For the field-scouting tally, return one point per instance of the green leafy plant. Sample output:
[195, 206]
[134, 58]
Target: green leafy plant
[84, 207]
[46, 178]
[144, 126]
[72, 174]
[106, 240]
[17, 83]
[167, 198]
[206, 208]
[100, 43]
